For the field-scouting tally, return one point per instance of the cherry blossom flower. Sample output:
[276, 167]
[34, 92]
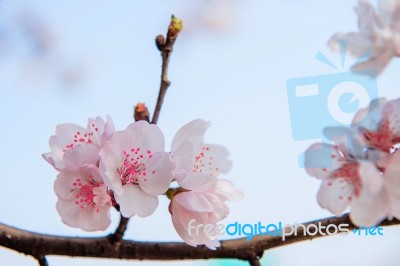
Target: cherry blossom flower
[136, 168]
[360, 169]
[379, 35]
[77, 141]
[83, 199]
[202, 199]
[348, 182]
[193, 157]
[202, 195]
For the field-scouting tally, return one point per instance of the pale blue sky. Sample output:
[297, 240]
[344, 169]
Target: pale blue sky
[234, 76]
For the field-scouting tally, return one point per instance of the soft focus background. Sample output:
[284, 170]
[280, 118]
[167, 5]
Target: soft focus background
[65, 61]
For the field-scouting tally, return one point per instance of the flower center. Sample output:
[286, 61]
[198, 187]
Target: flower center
[133, 167]
[349, 172]
[383, 139]
[90, 195]
[203, 163]
[83, 137]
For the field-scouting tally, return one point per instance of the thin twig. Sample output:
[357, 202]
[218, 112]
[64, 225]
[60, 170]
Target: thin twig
[42, 261]
[166, 47]
[254, 262]
[120, 231]
[35, 244]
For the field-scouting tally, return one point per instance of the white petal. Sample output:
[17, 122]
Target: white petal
[134, 201]
[335, 195]
[159, 174]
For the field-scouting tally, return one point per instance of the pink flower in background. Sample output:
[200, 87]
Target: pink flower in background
[85, 142]
[134, 165]
[83, 199]
[361, 169]
[380, 129]
[345, 182]
[193, 157]
[379, 35]
[202, 199]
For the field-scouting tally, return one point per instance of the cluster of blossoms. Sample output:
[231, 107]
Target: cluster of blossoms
[361, 168]
[100, 168]
[378, 38]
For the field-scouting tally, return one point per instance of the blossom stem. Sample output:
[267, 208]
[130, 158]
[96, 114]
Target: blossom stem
[165, 46]
[42, 261]
[119, 232]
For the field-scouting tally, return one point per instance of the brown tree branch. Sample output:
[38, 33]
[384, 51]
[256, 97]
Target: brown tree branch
[165, 46]
[41, 245]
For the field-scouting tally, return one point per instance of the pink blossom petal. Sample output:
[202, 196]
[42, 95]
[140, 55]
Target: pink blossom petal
[322, 159]
[193, 132]
[146, 136]
[109, 129]
[63, 184]
[217, 158]
[68, 212]
[94, 219]
[111, 157]
[193, 201]
[226, 190]
[182, 157]
[370, 117]
[391, 114]
[371, 178]
[335, 195]
[96, 128]
[392, 178]
[159, 175]
[80, 156]
[135, 201]
[357, 44]
[376, 64]
[198, 182]
[369, 209]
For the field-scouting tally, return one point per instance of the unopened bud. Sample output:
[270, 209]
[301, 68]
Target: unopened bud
[141, 112]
